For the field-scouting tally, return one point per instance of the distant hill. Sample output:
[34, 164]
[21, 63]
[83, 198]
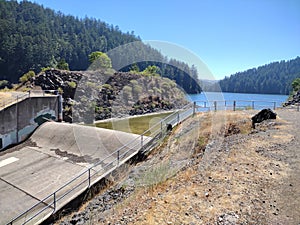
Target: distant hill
[33, 37]
[273, 78]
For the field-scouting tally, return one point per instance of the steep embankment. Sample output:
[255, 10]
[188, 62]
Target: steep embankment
[243, 177]
[101, 94]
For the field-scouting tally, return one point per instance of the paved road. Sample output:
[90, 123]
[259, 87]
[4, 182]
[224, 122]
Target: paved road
[56, 153]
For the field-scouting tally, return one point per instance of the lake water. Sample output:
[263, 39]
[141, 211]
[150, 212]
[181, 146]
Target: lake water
[223, 100]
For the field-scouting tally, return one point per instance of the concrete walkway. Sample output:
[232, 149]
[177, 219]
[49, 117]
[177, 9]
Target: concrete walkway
[55, 154]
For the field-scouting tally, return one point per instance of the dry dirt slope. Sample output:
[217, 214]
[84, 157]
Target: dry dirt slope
[244, 177]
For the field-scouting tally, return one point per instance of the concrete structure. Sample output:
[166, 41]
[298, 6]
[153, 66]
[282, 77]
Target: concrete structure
[60, 161]
[19, 119]
[56, 153]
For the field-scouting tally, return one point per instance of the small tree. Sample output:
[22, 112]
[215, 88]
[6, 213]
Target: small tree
[151, 71]
[99, 60]
[62, 65]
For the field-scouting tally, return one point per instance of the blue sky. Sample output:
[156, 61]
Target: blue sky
[227, 35]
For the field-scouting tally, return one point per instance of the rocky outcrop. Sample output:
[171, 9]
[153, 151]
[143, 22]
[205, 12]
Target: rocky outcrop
[126, 94]
[295, 99]
[97, 95]
[63, 81]
[53, 79]
[150, 104]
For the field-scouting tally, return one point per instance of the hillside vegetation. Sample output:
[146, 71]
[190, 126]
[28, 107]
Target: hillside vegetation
[273, 78]
[33, 37]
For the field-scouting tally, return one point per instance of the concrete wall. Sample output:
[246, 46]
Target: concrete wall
[19, 120]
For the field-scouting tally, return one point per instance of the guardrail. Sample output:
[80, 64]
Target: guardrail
[56, 200]
[13, 99]
[235, 105]
[19, 96]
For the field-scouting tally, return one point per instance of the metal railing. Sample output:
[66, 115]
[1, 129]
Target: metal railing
[83, 181]
[13, 99]
[16, 97]
[235, 105]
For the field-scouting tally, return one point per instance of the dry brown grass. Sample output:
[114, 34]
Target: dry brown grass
[190, 195]
[232, 178]
[5, 95]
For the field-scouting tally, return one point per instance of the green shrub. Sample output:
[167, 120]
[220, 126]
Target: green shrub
[107, 86]
[4, 84]
[45, 69]
[27, 76]
[62, 65]
[60, 90]
[72, 84]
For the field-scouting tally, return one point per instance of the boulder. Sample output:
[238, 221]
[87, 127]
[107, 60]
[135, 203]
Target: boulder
[264, 114]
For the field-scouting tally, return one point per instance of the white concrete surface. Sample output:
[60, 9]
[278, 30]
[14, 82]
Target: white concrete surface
[61, 152]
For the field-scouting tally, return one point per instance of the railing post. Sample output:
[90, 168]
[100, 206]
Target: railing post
[252, 104]
[215, 105]
[54, 201]
[118, 157]
[142, 141]
[89, 177]
[17, 119]
[204, 104]
[234, 105]
[298, 107]
[178, 118]
[274, 105]
[194, 108]
[161, 129]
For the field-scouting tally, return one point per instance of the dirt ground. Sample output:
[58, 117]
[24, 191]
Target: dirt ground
[214, 169]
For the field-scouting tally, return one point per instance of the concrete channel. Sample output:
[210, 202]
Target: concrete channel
[56, 164]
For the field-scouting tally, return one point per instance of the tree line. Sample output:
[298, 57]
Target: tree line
[33, 37]
[273, 78]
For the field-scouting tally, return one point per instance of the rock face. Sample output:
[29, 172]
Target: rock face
[150, 104]
[294, 100]
[135, 94]
[63, 81]
[97, 95]
[264, 114]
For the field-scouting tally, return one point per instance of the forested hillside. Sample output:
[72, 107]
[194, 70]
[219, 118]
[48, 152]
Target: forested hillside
[33, 37]
[273, 78]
